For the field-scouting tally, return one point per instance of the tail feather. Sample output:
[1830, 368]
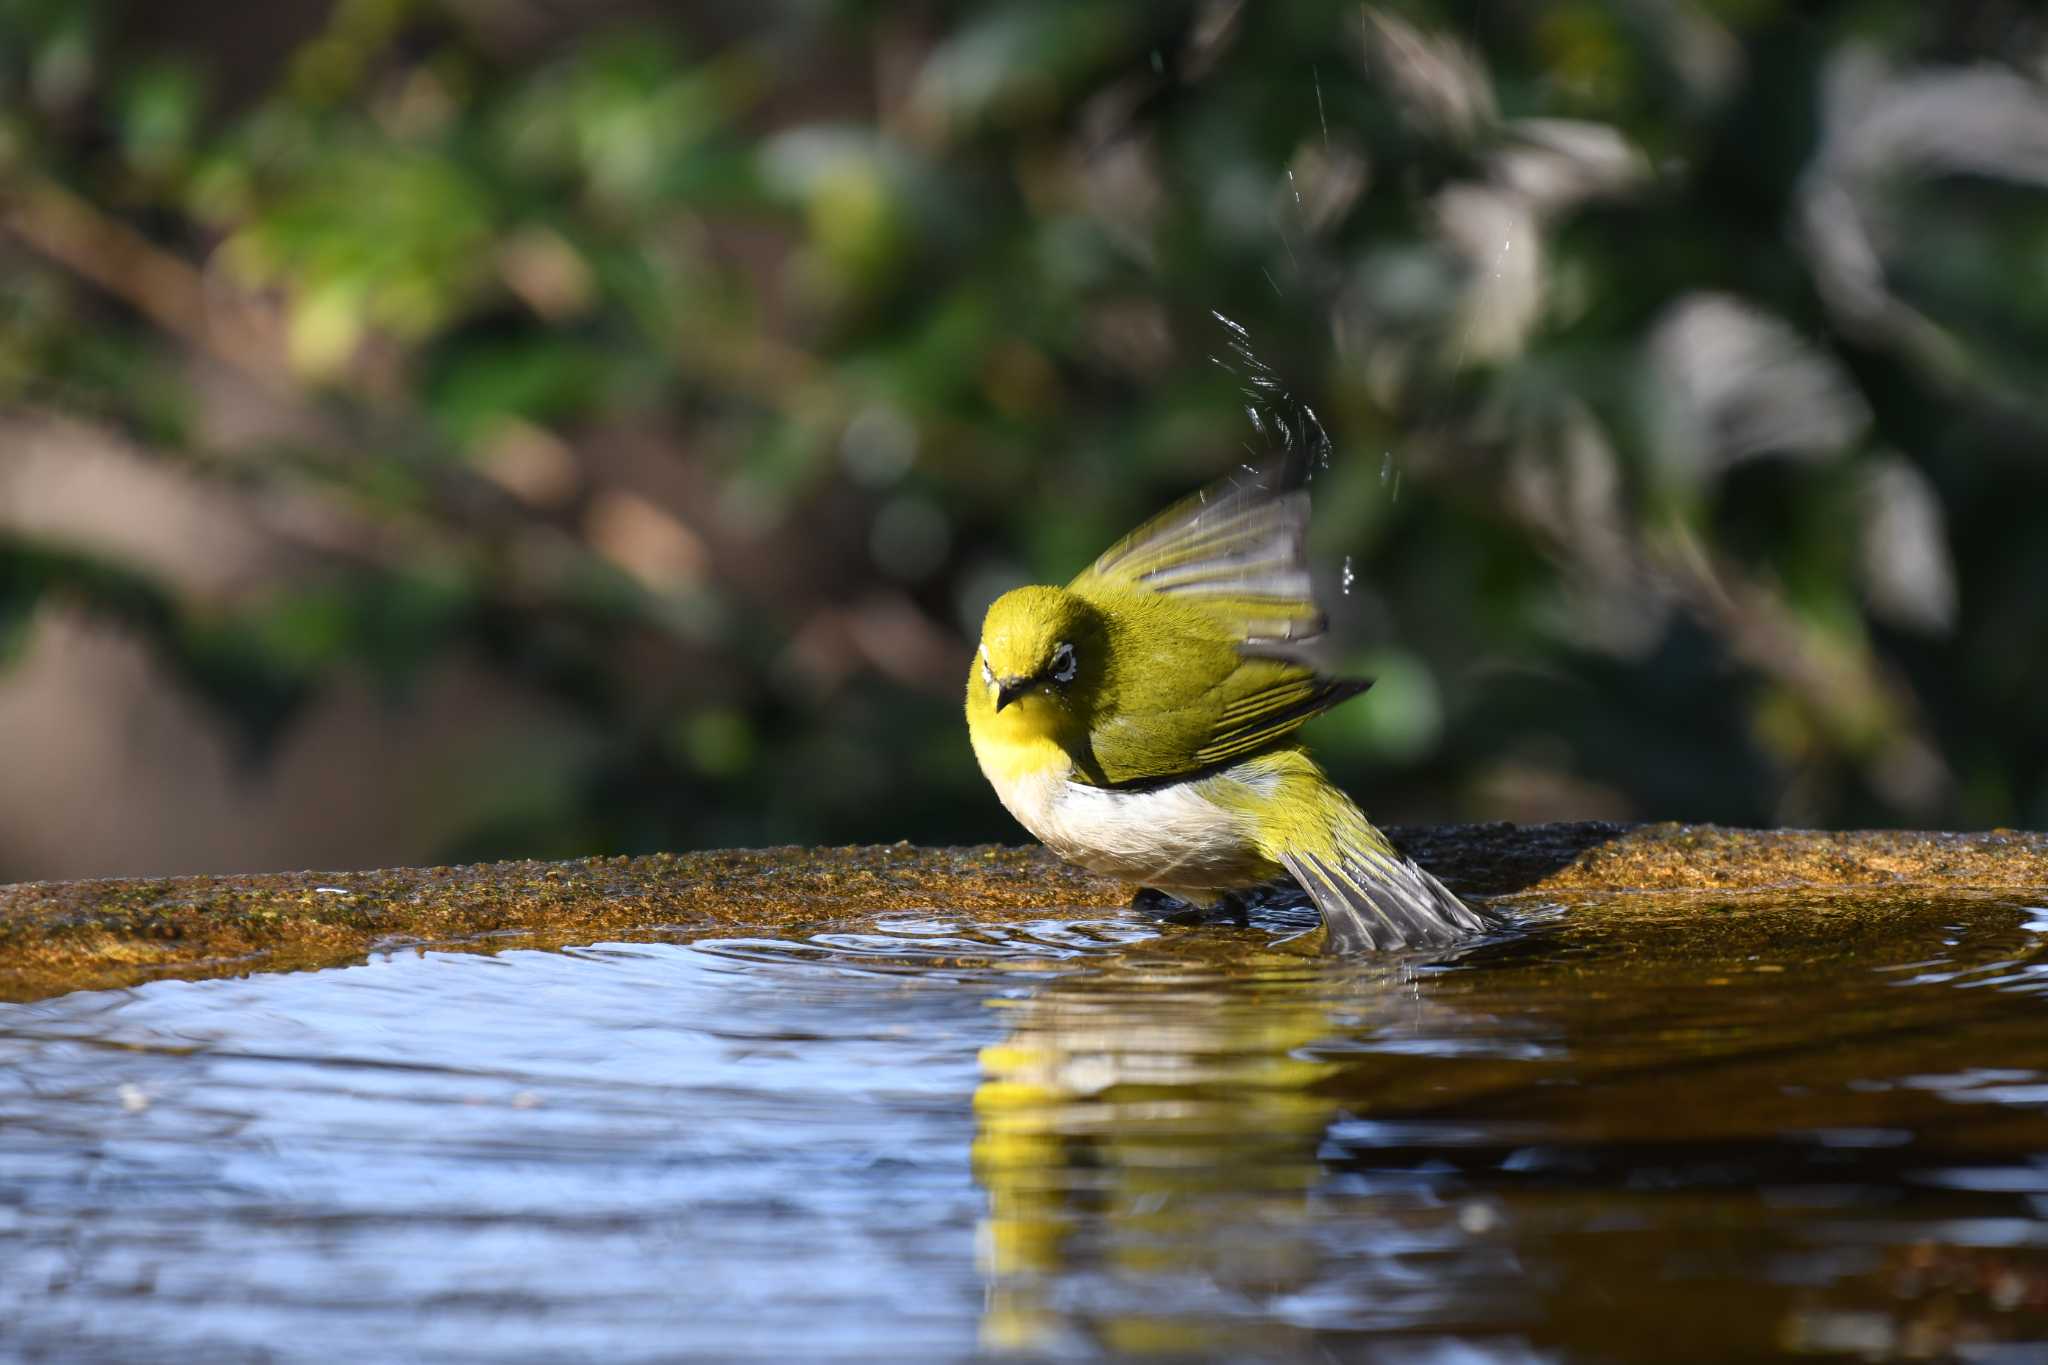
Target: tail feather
[1371, 902]
[1371, 897]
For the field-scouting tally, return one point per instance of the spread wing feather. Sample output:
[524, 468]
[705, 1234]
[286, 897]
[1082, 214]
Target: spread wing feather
[1221, 670]
[1238, 549]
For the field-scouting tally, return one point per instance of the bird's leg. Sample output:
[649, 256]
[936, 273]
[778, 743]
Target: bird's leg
[1230, 906]
[1236, 906]
[1152, 901]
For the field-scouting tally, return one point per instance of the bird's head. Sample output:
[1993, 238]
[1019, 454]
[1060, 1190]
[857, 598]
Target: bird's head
[1038, 642]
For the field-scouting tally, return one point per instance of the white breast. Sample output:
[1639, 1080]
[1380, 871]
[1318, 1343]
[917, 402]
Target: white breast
[1171, 837]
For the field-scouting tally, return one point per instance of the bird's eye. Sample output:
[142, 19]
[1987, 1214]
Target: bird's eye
[1063, 664]
[988, 675]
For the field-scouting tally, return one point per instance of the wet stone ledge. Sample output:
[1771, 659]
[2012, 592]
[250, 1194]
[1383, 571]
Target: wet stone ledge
[63, 936]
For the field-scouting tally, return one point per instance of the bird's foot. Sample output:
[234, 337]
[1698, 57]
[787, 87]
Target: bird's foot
[1230, 908]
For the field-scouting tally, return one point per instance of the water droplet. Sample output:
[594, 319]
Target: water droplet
[1478, 1218]
[1350, 575]
[1386, 465]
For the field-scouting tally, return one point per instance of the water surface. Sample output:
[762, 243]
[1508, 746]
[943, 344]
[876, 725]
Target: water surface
[1807, 1131]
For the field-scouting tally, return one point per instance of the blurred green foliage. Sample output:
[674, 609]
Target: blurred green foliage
[708, 372]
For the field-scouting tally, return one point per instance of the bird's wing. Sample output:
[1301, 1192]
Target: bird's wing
[1238, 550]
[1252, 717]
[1172, 719]
[1221, 668]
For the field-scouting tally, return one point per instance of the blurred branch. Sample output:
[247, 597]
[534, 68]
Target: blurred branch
[157, 283]
[1870, 715]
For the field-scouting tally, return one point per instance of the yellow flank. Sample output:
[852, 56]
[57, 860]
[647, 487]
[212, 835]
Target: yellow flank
[1141, 721]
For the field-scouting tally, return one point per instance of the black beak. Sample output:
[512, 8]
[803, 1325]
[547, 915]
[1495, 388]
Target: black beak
[1009, 689]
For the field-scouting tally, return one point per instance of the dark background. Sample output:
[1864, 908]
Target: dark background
[432, 431]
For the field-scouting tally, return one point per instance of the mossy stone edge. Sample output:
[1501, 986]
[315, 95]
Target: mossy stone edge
[64, 936]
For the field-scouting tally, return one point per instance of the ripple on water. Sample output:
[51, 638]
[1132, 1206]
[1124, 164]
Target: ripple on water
[938, 949]
[922, 1133]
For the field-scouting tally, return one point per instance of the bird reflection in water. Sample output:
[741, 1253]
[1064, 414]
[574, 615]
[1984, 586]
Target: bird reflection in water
[1148, 1138]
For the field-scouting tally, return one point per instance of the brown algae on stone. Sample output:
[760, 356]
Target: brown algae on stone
[61, 936]
[57, 937]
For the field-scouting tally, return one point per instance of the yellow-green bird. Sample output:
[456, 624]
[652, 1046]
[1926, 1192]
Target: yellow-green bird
[1141, 721]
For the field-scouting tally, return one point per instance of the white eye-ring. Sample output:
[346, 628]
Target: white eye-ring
[1063, 664]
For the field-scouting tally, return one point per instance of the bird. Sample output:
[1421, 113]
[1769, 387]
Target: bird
[1141, 721]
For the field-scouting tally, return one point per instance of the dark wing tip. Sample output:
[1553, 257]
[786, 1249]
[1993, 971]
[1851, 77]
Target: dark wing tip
[1344, 689]
[1252, 726]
